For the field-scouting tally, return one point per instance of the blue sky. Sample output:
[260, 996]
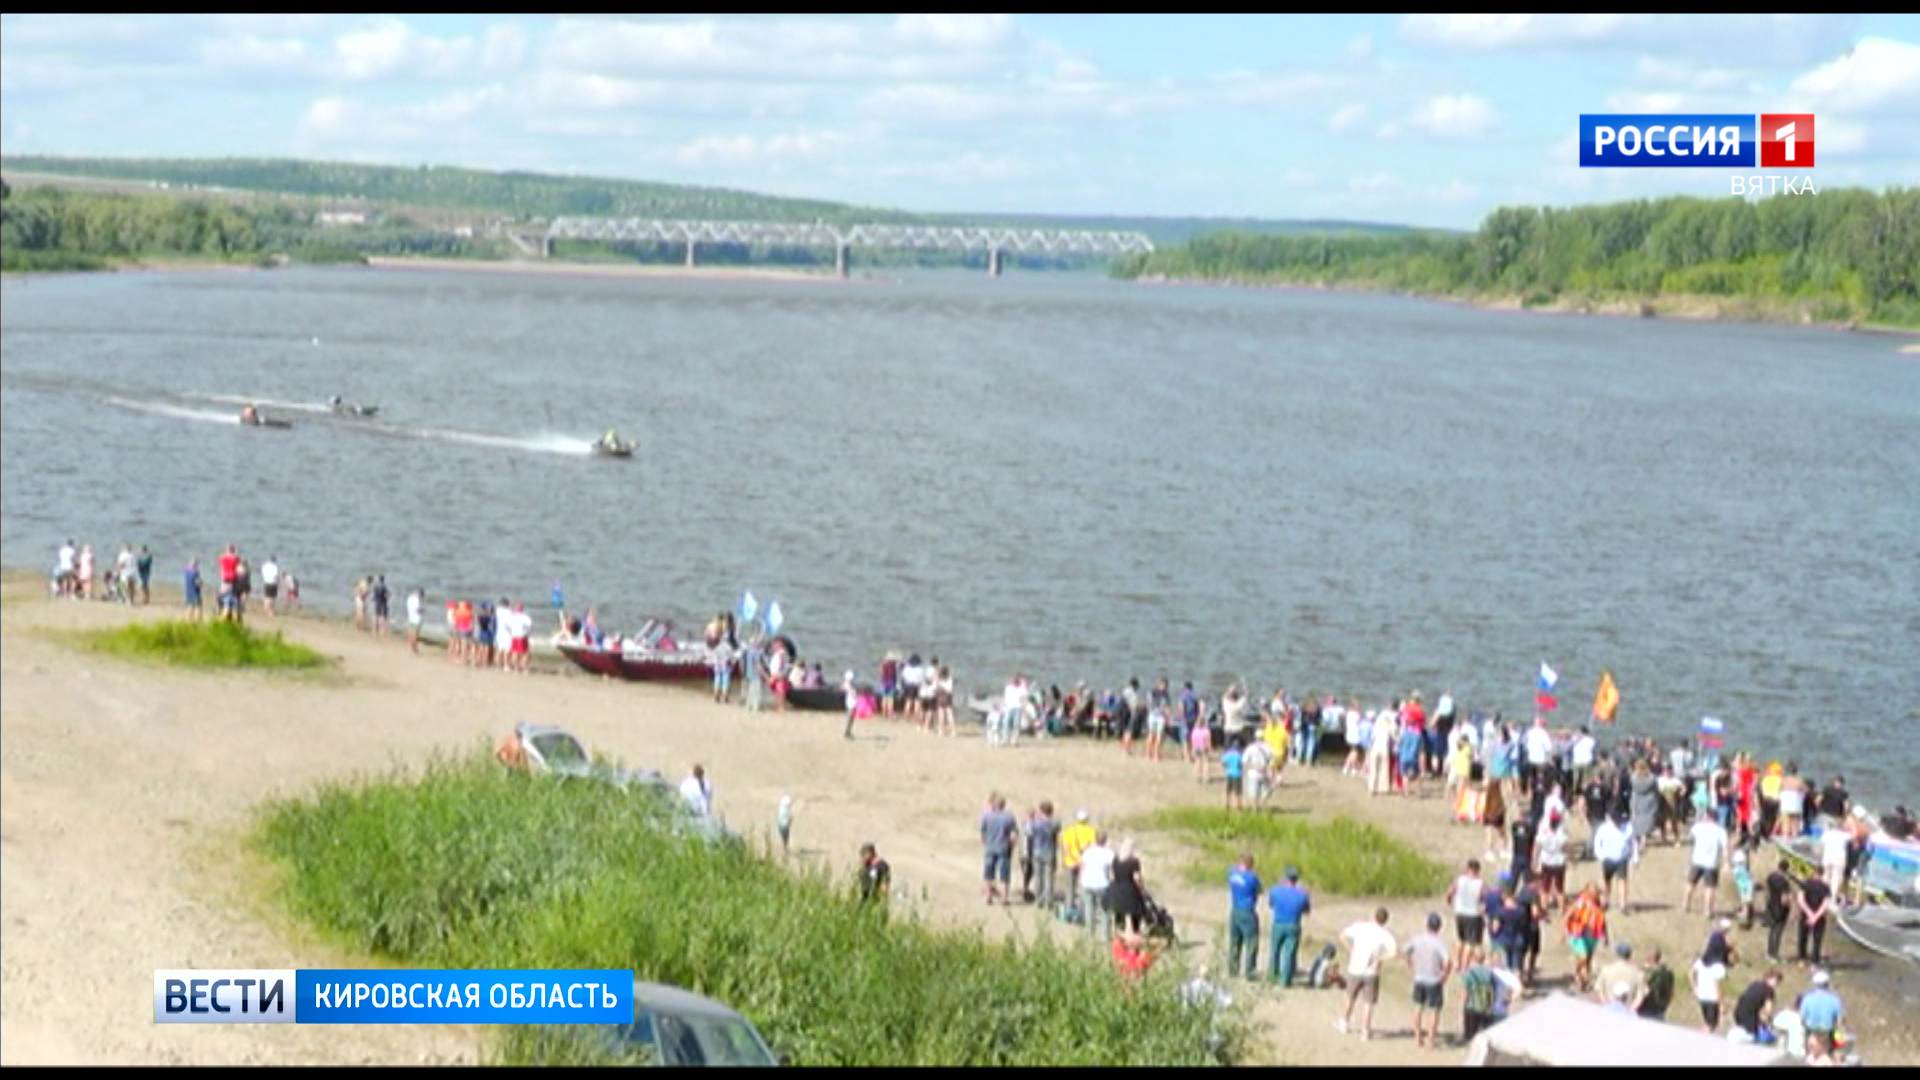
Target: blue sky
[1426, 119]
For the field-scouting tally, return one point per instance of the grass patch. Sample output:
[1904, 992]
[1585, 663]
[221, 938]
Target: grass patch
[465, 866]
[1342, 856]
[214, 644]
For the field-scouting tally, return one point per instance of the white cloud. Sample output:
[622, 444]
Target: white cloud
[916, 48]
[745, 149]
[1693, 76]
[1374, 183]
[1297, 178]
[324, 118]
[1453, 116]
[1347, 116]
[954, 31]
[1648, 101]
[247, 51]
[1770, 38]
[1878, 73]
[387, 48]
[1359, 48]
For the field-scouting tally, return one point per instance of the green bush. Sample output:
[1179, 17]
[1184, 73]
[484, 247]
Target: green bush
[203, 645]
[1343, 857]
[468, 867]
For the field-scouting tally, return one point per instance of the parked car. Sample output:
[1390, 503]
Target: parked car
[553, 751]
[671, 1027]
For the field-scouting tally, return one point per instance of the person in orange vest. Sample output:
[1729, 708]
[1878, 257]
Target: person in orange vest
[1586, 932]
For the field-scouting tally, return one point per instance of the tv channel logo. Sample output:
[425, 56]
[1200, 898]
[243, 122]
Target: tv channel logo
[1696, 140]
[1786, 140]
[207, 996]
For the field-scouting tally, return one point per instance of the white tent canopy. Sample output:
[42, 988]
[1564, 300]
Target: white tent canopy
[1564, 1031]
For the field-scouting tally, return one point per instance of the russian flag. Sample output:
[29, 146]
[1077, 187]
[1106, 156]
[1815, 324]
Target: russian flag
[1710, 732]
[1546, 702]
[1548, 678]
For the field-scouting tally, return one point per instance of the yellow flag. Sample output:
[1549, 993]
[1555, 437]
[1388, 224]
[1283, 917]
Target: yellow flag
[1607, 699]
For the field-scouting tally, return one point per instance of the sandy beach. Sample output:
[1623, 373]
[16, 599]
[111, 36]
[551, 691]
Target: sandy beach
[124, 789]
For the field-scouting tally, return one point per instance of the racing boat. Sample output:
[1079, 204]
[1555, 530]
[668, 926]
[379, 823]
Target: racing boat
[252, 417]
[612, 446]
[349, 409]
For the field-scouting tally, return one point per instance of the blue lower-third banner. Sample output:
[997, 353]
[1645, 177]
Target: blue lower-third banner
[204, 996]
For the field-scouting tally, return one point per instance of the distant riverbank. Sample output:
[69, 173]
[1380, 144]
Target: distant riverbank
[1683, 307]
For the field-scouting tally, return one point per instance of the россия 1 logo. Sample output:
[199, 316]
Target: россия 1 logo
[1703, 140]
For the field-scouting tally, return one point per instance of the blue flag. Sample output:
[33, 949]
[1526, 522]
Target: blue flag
[749, 607]
[1548, 678]
[774, 618]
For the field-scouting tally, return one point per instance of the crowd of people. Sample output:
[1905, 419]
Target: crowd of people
[1525, 785]
[77, 575]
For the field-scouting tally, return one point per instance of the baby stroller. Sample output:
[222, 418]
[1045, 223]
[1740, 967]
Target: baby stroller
[1159, 923]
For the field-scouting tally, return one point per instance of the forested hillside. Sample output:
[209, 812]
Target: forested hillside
[1844, 254]
[46, 228]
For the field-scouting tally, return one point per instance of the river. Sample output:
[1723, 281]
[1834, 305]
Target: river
[1074, 477]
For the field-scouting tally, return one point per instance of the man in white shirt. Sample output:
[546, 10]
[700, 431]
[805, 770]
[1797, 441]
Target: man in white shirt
[1096, 876]
[416, 612]
[270, 584]
[1539, 753]
[1386, 730]
[65, 568]
[1005, 723]
[1834, 840]
[1368, 946]
[1613, 846]
[1710, 848]
[1583, 748]
[698, 792]
[912, 677]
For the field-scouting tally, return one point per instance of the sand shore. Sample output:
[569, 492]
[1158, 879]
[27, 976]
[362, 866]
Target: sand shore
[127, 786]
[557, 268]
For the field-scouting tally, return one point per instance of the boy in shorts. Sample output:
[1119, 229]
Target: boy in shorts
[1232, 763]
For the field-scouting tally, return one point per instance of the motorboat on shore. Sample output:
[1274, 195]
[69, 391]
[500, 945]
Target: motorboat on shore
[817, 699]
[1888, 923]
[656, 654]
[253, 417]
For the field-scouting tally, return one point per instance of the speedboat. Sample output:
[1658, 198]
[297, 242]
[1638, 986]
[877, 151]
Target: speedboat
[349, 409]
[252, 417]
[612, 447]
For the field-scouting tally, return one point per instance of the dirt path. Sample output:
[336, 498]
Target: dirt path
[124, 787]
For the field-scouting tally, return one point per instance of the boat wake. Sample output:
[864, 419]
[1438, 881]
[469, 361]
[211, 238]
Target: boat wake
[178, 412]
[319, 408]
[540, 444]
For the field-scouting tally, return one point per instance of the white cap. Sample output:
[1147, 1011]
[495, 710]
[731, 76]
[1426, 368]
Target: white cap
[848, 677]
[1821, 978]
[1080, 816]
[1622, 991]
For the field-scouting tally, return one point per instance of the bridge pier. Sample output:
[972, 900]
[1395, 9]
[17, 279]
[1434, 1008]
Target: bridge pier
[994, 259]
[840, 254]
[691, 245]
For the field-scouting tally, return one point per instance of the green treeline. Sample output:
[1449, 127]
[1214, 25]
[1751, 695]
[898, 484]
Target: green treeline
[1841, 255]
[46, 228]
[513, 194]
